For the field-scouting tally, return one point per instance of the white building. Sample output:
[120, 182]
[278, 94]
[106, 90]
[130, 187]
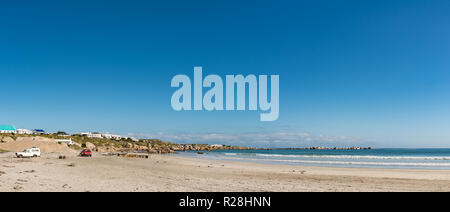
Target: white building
[24, 132]
[111, 136]
[92, 135]
[95, 135]
[39, 132]
[217, 145]
[7, 129]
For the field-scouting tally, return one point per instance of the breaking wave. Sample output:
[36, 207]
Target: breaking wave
[362, 163]
[345, 156]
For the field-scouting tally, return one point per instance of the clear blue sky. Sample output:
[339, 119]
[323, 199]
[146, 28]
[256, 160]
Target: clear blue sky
[352, 72]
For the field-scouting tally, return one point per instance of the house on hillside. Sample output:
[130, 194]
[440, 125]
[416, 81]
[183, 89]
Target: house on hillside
[7, 129]
[24, 132]
[39, 132]
[111, 136]
[92, 135]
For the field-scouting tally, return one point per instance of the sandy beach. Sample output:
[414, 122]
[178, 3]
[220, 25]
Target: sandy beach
[175, 173]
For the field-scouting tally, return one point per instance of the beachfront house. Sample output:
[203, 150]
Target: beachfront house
[111, 136]
[61, 133]
[92, 135]
[95, 135]
[24, 132]
[7, 129]
[38, 132]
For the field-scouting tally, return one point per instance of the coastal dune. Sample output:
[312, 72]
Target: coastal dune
[175, 173]
[46, 145]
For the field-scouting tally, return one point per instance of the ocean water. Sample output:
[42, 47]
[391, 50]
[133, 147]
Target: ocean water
[375, 158]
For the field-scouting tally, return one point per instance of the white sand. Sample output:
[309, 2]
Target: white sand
[175, 173]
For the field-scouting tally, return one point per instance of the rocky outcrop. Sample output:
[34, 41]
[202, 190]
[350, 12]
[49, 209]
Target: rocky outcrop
[90, 145]
[141, 148]
[165, 151]
[152, 151]
[204, 147]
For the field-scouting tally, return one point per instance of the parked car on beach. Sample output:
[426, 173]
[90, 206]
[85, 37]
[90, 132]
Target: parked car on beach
[29, 153]
[86, 153]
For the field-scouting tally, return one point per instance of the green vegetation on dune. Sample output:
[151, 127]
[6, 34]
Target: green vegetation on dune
[124, 144]
[155, 143]
[104, 142]
[96, 141]
[82, 140]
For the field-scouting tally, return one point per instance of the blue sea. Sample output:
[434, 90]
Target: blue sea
[375, 158]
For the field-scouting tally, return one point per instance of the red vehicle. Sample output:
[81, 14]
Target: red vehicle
[86, 153]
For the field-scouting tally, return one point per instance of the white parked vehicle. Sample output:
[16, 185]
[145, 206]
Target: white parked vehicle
[29, 153]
